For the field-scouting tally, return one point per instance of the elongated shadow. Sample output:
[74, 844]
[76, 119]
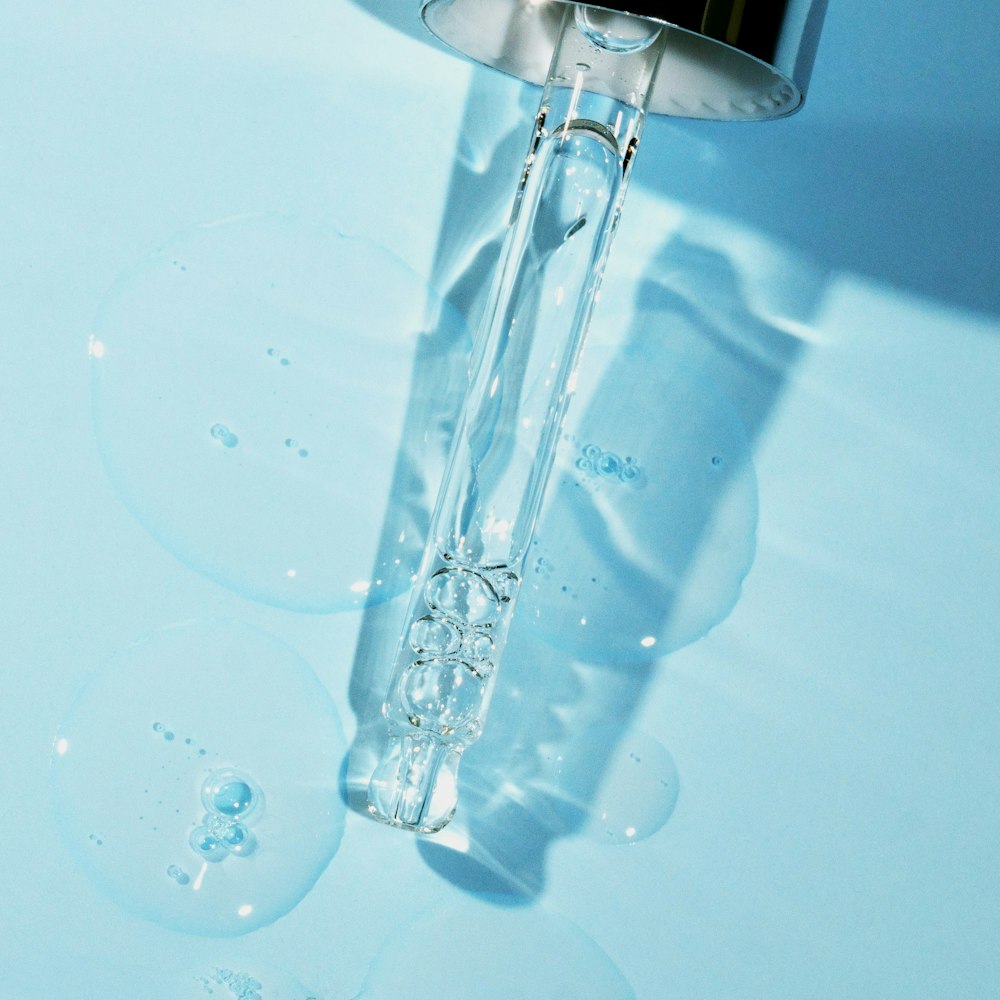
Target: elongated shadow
[628, 566]
[648, 525]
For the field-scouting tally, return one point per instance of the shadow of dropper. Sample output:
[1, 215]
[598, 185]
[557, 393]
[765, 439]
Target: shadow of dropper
[568, 694]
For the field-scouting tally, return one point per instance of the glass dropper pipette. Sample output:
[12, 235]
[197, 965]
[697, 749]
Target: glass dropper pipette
[564, 218]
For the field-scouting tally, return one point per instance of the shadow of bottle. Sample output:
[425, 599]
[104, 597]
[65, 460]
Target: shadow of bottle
[624, 568]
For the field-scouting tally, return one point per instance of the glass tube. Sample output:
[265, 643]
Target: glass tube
[564, 217]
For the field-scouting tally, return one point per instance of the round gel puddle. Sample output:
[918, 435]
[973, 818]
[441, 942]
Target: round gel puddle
[649, 525]
[179, 742]
[633, 795]
[542, 955]
[246, 396]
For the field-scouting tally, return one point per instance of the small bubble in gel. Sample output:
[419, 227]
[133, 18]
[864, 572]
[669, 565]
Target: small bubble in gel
[231, 794]
[297, 331]
[224, 435]
[409, 964]
[180, 876]
[252, 827]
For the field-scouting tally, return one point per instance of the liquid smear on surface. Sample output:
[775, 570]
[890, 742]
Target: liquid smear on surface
[225, 827]
[542, 955]
[245, 381]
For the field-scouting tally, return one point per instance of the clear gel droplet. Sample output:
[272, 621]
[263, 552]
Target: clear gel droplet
[282, 348]
[231, 794]
[180, 876]
[224, 435]
[637, 792]
[274, 816]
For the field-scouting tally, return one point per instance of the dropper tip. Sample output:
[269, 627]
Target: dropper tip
[415, 784]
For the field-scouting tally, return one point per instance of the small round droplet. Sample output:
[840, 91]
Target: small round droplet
[291, 443]
[207, 846]
[303, 453]
[434, 635]
[609, 465]
[158, 727]
[239, 840]
[168, 735]
[638, 790]
[716, 460]
[180, 876]
[285, 361]
[224, 435]
[272, 352]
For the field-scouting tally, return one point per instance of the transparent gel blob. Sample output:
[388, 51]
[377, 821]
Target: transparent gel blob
[635, 793]
[226, 827]
[247, 403]
[526, 953]
[649, 525]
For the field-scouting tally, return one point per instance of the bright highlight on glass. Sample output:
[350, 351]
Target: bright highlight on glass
[565, 214]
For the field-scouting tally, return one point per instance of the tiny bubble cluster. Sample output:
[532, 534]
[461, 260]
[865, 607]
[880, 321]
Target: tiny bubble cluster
[607, 465]
[239, 984]
[224, 435]
[231, 800]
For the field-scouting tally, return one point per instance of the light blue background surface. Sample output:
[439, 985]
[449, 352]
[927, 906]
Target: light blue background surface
[835, 275]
